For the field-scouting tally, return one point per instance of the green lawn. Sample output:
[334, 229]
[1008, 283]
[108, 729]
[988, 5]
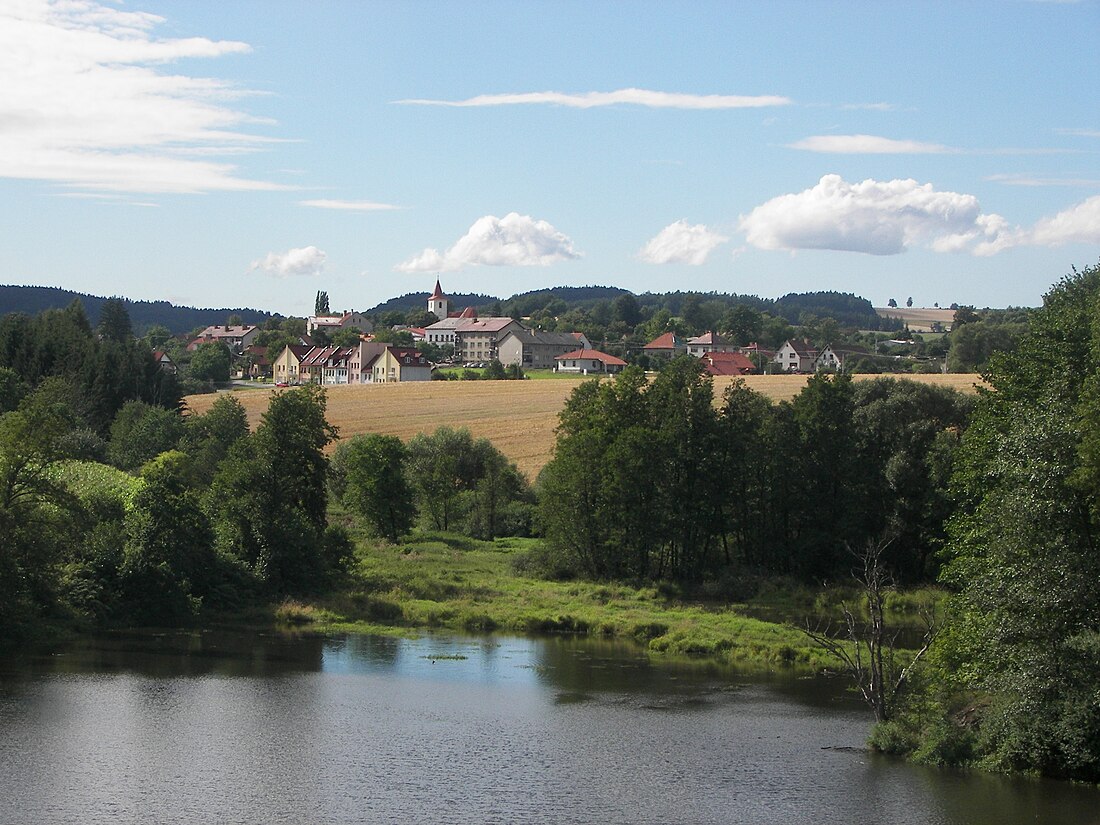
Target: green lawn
[438, 580]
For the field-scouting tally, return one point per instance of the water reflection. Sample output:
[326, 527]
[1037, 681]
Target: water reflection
[222, 726]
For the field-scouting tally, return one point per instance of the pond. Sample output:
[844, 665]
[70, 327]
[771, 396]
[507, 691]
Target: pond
[234, 727]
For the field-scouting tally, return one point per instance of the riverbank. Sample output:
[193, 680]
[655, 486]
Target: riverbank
[447, 581]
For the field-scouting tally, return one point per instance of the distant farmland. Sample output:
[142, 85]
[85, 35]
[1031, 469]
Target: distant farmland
[519, 417]
[919, 319]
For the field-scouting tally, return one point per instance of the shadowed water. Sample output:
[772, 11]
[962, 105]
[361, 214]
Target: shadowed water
[246, 728]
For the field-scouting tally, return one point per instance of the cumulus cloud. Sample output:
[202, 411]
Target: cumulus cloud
[681, 243]
[875, 217]
[868, 145]
[633, 97]
[1079, 223]
[84, 103]
[353, 206]
[514, 240]
[306, 260]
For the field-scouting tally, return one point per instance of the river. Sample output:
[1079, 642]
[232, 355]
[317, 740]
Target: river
[232, 727]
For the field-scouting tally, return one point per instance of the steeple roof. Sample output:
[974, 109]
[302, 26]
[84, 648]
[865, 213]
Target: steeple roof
[438, 292]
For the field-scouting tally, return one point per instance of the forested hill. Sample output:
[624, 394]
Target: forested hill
[419, 300]
[143, 314]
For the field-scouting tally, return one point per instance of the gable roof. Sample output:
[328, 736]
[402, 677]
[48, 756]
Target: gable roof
[492, 324]
[803, 348]
[727, 363]
[666, 341]
[217, 331]
[591, 355]
[706, 338]
[538, 336]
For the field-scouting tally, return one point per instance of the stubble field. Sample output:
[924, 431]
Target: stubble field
[519, 417]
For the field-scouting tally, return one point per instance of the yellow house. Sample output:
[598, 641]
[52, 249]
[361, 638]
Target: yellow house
[400, 364]
[286, 369]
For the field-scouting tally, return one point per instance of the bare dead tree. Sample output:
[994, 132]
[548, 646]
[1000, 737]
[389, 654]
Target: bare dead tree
[868, 649]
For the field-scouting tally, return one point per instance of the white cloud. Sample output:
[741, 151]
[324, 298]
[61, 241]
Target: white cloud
[1078, 224]
[635, 97]
[868, 145]
[514, 240]
[875, 217]
[307, 260]
[1026, 180]
[83, 105]
[681, 243]
[353, 206]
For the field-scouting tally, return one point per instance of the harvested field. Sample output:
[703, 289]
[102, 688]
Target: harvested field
[919, 319]
[519, 417]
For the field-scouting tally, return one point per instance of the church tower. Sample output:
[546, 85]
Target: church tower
[438, 303]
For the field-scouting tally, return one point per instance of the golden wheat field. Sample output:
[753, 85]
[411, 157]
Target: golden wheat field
[519, 417]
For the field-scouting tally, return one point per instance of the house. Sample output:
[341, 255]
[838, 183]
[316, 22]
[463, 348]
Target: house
[234, 337]
[165, 362]
[400, 364]
[796, 355]
[665, 346]
[442, 332]
[834, 357]
[477, 339]
[536, 349]
[349, 319]
[286, 368]
[361, 362]
[589, 361]
[325, 365]
[256, 362]
[709, 342]
[727, 363]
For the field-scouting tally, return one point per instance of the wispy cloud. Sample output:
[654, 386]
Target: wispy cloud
[353, 206]
[1026, 180]
[868, 145]
[875, 217]
[681, 243]
[306, 260]
[84, 104]
[871, 107]
[514, 240]
[633, 97]
[1079, 132]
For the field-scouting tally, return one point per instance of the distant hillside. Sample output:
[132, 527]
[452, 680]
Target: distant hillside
[526, 303]
[143, 314]
[419, 300]
[919, 319]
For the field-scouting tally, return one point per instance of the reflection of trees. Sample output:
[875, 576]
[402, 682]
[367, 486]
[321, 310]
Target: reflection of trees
[168, 654]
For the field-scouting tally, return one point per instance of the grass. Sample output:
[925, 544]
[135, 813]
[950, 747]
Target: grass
[439, 580]
[519, 417]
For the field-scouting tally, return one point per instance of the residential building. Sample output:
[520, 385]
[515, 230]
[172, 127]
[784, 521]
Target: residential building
[400, 364]
[665, 346]
[796, 356]
[588, 362]
[349, 319]
[835, 356]
[727, 363]
[255, 363]
[325, 365]
[442, 332]
[476, 340]
[536, 349]
[286, 368]
[234, 337]
[165, 362]
[709, 342]
[361, 362]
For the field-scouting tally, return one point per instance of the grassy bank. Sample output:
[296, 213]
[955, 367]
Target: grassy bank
[457, 583]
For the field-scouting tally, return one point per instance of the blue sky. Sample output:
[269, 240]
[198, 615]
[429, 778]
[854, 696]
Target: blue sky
[252, 153]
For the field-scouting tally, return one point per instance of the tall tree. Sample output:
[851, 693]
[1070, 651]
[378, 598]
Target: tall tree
[376, 486]
[320, 304]
[114, 321]
[1024, 548]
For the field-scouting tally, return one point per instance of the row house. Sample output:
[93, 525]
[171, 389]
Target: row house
[367, 363]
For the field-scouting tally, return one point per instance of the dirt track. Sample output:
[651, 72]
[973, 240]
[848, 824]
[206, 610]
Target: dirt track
[519, 417]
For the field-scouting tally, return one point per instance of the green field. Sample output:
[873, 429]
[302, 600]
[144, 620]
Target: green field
[439, 580]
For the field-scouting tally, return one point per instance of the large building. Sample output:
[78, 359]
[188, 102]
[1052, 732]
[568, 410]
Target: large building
[535, 349]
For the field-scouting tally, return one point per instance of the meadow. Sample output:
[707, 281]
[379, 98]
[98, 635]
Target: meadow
[519, 417]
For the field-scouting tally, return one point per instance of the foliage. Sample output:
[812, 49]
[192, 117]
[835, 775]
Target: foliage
[374, 485]
[140, 432]
[211, 362]
[1026, 635]
[268, 498]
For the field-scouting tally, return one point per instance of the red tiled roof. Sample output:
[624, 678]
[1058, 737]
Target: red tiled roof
[666, 341]
[727, 363]
[592, 355]
[438, 293]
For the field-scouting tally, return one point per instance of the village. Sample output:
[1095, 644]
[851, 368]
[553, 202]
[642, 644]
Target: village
[463, 338]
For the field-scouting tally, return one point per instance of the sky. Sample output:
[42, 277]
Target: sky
[253, 152]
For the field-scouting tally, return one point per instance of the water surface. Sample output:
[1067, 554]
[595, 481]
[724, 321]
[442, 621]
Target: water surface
[246, 728]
